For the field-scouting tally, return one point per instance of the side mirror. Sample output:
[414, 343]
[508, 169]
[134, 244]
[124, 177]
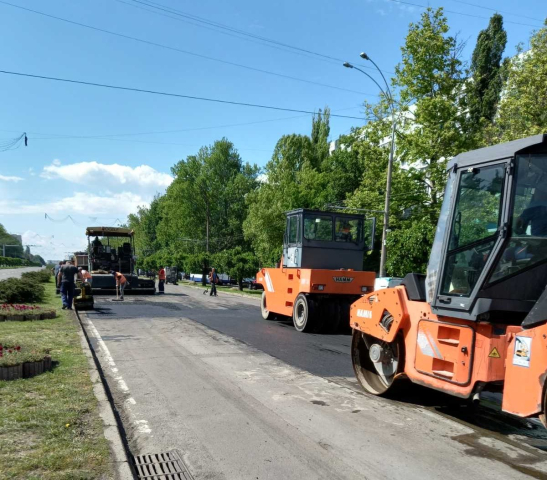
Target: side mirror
[369, 233]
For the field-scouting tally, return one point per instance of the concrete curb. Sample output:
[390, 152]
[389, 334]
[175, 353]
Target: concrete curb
[122, 465]
[200, 287]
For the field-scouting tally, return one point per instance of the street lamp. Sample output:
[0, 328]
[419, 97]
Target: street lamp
[389, 98]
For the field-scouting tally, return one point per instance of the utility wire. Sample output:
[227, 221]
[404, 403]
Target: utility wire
[223, 28]
[14, 143]
[186, 52]
[51, 136]
[167, 94]
[494, 9]
[462, 13]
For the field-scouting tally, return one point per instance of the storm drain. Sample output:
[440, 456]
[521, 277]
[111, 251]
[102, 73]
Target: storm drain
[162, 466]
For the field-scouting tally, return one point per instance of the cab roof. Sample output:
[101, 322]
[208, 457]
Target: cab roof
[339, 213]
[497, 152]
[109, 232]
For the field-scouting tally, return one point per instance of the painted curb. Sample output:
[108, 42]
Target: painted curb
[122, 465]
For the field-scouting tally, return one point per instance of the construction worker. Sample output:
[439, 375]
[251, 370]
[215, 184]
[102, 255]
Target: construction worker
[161, 280]
[66, 280]
[120, 282]
[213, 278]
[86, 275]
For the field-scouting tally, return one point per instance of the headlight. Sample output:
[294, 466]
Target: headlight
[364, 289]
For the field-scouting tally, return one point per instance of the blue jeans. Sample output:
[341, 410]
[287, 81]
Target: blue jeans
[161, 286]
[67, 293]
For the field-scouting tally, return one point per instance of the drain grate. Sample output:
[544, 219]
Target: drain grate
[162, 466]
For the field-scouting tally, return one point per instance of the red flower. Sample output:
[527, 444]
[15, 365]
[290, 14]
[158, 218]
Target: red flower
[10, 351]
[17, 348]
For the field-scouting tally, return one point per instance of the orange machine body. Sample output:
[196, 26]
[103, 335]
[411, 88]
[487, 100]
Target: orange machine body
[459, 356]
[282, 285]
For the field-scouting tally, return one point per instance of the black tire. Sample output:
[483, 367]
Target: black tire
[303, 316]
[266, 314]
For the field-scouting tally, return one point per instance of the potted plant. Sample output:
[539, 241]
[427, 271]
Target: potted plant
[23, 360]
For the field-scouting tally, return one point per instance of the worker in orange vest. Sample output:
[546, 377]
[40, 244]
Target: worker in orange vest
[120, 282]
[161, 280]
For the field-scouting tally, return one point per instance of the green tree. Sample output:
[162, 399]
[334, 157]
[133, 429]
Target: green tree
[294, 179]
[484, 86]
[204, 208]
[428, 86]
[237, 263]
[523, 107]
[16, 250]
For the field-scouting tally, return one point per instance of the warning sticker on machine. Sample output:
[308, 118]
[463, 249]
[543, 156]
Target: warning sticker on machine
[523, 351]
[494, 353]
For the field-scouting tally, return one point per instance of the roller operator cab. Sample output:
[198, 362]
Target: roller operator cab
[320, 273]
[479, 318]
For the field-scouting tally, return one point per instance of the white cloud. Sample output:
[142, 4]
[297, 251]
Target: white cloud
[108, 175]
[50, 247]
[5, 178]
[113, 204]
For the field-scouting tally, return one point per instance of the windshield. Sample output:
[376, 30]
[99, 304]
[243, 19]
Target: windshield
[528, 241]
[318, 227]
[474, 228]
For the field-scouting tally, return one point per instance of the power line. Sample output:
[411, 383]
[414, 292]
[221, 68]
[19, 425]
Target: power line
[494, 9]
[52, 136]
[14, 143]
[461, 13]
[224, 29]
[186, 52]
[167, 94]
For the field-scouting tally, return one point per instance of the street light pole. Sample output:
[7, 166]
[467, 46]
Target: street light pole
[389, 97]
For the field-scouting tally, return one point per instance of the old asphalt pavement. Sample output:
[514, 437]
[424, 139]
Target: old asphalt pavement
[245, 398]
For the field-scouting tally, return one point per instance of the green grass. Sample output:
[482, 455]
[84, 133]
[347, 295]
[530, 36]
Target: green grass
[49, 425]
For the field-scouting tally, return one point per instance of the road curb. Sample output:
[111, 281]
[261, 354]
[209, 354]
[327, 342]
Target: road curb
[200, 287]
[113, 429]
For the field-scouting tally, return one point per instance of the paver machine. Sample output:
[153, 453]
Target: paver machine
[112, 249]
[320, 273]
[478, 319]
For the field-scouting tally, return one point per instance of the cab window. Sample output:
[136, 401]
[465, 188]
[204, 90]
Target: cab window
[474, 228]
[527, 245]
[318, 227]
[293, 229]
[348, 230]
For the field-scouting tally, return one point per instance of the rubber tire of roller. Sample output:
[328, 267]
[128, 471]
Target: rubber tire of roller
[266, 314]
[309, 312]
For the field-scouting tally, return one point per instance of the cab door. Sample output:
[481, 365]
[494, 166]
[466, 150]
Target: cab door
[292, 248]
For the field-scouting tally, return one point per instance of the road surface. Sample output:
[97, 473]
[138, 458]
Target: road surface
[16, 272]
[244, 398]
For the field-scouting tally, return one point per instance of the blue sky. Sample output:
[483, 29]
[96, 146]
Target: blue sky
[106, 178]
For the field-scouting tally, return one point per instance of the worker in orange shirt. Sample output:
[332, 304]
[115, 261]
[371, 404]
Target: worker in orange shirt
[161, 280]
[121, 281]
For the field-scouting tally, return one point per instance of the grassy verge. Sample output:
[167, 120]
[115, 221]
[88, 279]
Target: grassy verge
[49, 425]
[226, 289]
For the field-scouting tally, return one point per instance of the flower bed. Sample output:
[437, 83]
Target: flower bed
[23, 361]
[15, 312]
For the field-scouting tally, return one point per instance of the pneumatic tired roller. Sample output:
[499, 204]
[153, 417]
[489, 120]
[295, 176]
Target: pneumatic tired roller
[320, 273]
[478, 320]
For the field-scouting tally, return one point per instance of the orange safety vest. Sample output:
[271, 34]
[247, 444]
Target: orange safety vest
[161, 274]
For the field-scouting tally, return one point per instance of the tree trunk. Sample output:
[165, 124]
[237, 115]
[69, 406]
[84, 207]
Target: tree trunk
[240, 284]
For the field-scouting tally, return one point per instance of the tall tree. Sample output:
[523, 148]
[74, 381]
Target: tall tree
[428, 86]
[523, 107]
[486, 79]
[294, 179]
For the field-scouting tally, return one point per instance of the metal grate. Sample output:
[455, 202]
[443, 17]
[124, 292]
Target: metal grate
[162, 466]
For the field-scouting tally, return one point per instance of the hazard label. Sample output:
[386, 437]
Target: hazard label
[494, 353]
